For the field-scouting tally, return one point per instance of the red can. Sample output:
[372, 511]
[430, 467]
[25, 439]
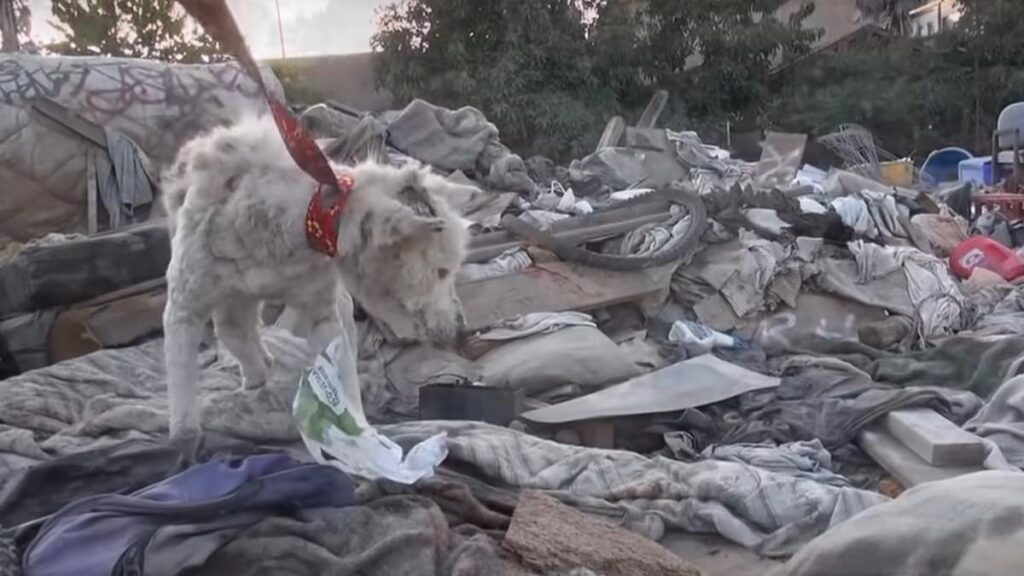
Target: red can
[987, 253]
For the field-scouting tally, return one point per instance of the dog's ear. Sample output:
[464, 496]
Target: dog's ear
[402, 225]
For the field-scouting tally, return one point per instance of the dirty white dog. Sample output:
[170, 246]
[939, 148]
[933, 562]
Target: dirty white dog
[236, 204]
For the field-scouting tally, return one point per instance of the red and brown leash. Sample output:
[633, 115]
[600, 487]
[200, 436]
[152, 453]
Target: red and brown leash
[322, 216]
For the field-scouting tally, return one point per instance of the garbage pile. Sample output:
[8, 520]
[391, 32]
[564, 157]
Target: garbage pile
[658, 334]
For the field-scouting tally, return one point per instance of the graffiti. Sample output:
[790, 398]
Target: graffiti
[157, 104]
[779, 331]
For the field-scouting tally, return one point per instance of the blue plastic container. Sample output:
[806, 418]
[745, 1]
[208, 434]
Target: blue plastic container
[943, 166]
[977, 171]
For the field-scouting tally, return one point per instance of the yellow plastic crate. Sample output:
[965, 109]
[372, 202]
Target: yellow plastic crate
[898, 173]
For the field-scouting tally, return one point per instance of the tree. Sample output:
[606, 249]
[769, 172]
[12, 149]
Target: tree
[154, 29]
[717, 54]
[524, 63]
[550, 73]
[15, 24]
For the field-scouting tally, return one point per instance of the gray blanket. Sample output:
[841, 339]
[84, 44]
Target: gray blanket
[114, 395]
[968, 526]
[388, 536]
[773, 514]
[1001, 421]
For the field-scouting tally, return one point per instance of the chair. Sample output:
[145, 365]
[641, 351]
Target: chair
[1007, 139]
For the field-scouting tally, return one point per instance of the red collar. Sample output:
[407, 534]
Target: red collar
[322, 218]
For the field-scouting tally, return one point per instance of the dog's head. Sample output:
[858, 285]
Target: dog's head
[400, 247]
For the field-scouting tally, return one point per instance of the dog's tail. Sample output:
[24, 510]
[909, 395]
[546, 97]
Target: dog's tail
[174, 187]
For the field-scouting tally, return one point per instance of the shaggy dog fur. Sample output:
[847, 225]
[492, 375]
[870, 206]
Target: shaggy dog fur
[236, 204]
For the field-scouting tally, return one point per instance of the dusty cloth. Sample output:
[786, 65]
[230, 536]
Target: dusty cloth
[773, 514]
[967, 526]
[934, 294]
[385, 537]
[445, 139]
[841, 278]
[35, 491]
[174, 525]
[832, 405]
[963, 362]
[504, 264]
[536, 323]
[1001, 421]
[650, 239]
[805, 459]
[124, 179]
[943, 231]
[580, 355]
[550, 536]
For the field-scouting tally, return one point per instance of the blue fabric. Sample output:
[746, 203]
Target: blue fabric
[88, 537]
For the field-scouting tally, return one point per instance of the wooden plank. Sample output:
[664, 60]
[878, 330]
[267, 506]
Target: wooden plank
[936, 440]
[901, 461]
[59, 275]
[555, 287]
[612, 134]
[653, 111]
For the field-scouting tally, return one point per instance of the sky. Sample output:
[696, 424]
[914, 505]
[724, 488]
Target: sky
[311, 27]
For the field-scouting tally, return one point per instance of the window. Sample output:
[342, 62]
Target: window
[920, 30]
[931, 28]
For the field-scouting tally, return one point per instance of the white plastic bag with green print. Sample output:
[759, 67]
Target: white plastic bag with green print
[330, 418]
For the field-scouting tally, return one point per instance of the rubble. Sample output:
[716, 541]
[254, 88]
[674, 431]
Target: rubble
[657, 333]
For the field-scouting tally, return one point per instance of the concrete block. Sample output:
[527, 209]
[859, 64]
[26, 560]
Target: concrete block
[901, 461]
[935, 439]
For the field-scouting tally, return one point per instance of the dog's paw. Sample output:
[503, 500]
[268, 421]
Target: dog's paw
[189, 444]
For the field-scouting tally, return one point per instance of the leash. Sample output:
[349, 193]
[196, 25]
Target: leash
[323, 214]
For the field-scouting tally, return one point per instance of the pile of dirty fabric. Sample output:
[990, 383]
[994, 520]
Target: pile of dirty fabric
[660, 338]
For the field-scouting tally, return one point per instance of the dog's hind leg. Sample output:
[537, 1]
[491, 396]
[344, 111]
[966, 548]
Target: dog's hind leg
[236, 320]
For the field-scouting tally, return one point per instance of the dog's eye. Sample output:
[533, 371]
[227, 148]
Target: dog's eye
[442, 273]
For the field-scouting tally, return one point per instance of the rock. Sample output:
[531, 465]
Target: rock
[550, 536]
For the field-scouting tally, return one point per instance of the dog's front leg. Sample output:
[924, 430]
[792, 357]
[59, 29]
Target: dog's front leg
[183, 333]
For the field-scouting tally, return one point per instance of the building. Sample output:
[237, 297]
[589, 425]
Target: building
[934, 17]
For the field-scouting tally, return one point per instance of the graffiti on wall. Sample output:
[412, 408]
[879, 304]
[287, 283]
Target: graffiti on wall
[157, 104]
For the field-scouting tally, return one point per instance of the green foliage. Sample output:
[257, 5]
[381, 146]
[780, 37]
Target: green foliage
[524, 63]
[914, 94]
[735, 42]
[549, 73]
[155, 29]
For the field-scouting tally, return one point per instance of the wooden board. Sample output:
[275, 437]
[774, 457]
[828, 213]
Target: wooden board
[58, 275]
[936, 440]
[555, 287]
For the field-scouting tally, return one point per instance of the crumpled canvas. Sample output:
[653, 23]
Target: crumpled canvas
[445, 139]
[772, 514]
[936, 297]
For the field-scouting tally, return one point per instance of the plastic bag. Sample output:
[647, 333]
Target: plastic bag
[328, 411]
